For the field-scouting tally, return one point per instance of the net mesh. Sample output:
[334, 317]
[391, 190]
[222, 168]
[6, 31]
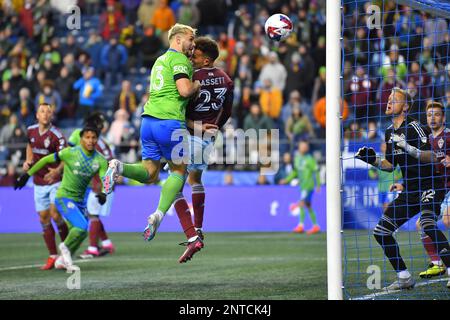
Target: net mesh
[386, 44]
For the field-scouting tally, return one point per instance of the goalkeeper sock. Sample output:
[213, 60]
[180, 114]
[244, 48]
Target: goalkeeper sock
[312, 216]
[171, 187]
[184, 214]
[431, 250]
[74, 239]
[49, 238]
[136, 172]
[404, 274]
[302, 215]
[198, 204]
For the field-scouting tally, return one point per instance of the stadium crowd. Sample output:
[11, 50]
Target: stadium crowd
[104, 65]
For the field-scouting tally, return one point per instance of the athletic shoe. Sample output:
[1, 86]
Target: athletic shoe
[59, 263]
[66, 256]
[108, 249]
[192, 248]
[153, 223]
[200, 234]
[314, 229]
[115, 168]
[89, 254]
[50, 263]
[433, 271]
[401, 284]
[299, 229]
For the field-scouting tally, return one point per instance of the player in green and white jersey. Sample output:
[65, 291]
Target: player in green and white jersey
[81, 163]
[163, 128]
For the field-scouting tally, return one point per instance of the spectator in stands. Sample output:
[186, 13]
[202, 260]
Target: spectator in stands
[396, 62]
[257, 120]
[188, 14]
[306, 66]
[435, 29]
[146, 11]
[92, 7]
[70, 46]
[123, 135]
[49, 95]
[447, 98]
[126, 98]
[32, 68]
[37, 82]
[50, 69]
[274, 71]
[43, 31]
[298, 127]
[26, 17]
[150, 47]
[228, 178]
[270, 100]
[361, 95]
[428, 56]
[9, 178]
[94, 47]
[7, 98]
[114, 59]
[64, 85]
[285, 168]
[17, 31]
[24, 108]
[354, 132]
[90, 89]
[71, 65]
[17, 144]
[163, 19]
[295, 101]
[7, 131]
[111, 21]
[212, 17]
[319, 85]
[17, 80]
[131, 44]
[130, 8]
[318, 54]
[262, 180]
[421, 79]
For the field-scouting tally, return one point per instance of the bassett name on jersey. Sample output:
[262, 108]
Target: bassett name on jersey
[212, 81]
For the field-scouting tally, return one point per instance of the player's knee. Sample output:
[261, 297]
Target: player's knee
[93, 217]
[382, 231]
[44, 217]
[428, 224]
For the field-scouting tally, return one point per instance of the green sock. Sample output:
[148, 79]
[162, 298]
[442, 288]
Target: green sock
[136, 172]
[312, 216]
[75, 238]
[171, 187]
[302, 215]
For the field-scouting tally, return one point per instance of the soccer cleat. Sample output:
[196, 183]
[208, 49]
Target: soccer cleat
[401, 284]
[65, 254]
[299, 229]
[59, 263]
[192, 248]
[433, 271]
[50, 263]
[107, 249]
[115, 167]
[153, 223]
[200, 234]
[313, 230]
[89, 254]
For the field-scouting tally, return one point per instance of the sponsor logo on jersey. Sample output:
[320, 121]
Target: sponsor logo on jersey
[70, 205]
[77, 164]
[180, 69]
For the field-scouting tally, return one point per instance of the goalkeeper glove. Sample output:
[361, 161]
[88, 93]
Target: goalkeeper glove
[367, 155]
[401, 143]
[101, 197]
[21, 181]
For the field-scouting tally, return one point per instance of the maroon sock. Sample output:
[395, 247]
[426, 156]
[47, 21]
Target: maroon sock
[49, 238]
[198, 203]
[62, 230]
[102, 234]
[94, 231]
[184, 214]
[430, 248]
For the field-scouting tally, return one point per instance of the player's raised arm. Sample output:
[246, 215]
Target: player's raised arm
[423, 150]
[22, 180]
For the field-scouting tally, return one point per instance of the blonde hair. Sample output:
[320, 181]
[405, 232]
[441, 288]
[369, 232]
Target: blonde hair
[179, 28]
[435, 104]
[405, 94]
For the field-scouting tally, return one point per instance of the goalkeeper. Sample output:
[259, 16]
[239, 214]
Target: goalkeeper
[407, 145]
[81, 164]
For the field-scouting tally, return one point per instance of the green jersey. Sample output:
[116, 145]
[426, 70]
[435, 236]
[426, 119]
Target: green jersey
[306, 170]
[385, 179]
[79, 168]
[165, 102]
[74, 139]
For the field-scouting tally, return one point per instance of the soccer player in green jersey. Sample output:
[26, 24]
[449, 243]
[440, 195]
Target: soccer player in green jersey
[307, 172]
[81, 163]
[163, 128]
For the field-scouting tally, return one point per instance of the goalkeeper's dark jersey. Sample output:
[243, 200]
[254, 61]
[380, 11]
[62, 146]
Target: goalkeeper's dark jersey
[417, 176]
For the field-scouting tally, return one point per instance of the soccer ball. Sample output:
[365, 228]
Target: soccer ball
[59, 263]
[278, 27]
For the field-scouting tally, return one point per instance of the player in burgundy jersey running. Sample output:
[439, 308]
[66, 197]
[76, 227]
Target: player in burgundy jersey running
[205, 114]
[44, 139]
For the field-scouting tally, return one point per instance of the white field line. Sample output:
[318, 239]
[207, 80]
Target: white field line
[383, 292]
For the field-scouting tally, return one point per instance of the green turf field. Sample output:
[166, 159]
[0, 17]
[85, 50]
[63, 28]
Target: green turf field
[362, 251]
[231, 266]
